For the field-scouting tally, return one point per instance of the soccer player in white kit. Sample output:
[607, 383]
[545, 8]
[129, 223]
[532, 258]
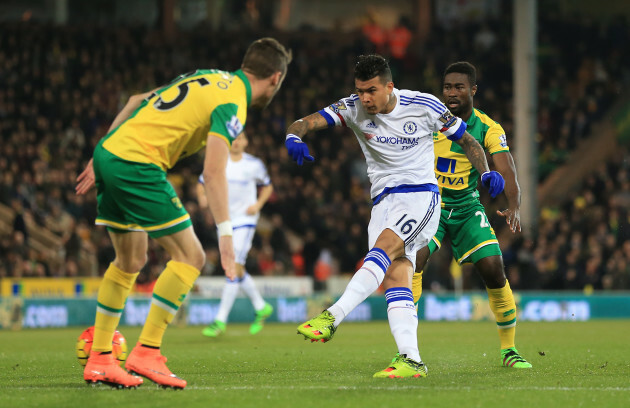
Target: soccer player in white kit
[395, 130]
[249, 188]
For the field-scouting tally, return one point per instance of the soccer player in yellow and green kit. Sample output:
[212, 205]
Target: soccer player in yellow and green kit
[463, 217]
[205, 108]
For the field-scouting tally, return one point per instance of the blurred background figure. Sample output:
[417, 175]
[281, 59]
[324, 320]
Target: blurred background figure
[64, 76]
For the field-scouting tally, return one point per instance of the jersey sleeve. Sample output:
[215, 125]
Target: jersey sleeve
[225, 122]
[262, 177]
[440, 118]
[495, 140]
[340, 112]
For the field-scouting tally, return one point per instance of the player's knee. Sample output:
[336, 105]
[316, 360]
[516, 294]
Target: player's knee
[131, 264]
[189, 252]
[398, 274]
[391, 244]
[197, 258]
[140, 261]
[492, 272]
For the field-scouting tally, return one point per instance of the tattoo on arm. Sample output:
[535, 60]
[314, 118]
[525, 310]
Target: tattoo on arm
[475, 153]
[302, 126]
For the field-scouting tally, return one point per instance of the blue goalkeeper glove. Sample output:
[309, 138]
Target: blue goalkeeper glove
[493, 181]
[298, 150]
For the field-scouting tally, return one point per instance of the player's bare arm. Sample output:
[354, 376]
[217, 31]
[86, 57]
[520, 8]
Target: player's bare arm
[85, 180]
[132, 104]
[263, 197]
[215, 182]
[475, 153]
[201, 196]
[504, 163]
[309, 123]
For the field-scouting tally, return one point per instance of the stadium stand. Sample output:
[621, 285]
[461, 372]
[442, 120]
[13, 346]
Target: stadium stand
[60, 87]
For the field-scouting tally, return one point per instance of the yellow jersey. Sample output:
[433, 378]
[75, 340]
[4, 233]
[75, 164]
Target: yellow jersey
[457, 177]
[175, 121]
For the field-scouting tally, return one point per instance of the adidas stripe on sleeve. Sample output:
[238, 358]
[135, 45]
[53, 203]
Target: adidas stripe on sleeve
[339, 112]
[440, 118]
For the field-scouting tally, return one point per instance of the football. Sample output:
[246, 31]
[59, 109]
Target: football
[84, 346]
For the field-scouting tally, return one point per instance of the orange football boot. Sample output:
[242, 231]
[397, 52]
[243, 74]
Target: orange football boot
[103, 368]
[150, 363]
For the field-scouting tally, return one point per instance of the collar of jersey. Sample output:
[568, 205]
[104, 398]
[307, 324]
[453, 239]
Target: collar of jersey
[396, 93]
[248, 88]
[472, 119]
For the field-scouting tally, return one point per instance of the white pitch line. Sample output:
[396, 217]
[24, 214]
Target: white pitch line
[346, 388]
[397, 387]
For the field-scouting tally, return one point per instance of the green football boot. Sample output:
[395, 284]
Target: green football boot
[261, 316]
[511, 358]
[318, 328]
[214, 329]
[403, 367]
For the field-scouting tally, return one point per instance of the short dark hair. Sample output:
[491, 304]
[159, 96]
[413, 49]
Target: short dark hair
[463, 67]
[266, 56]
[371, 66]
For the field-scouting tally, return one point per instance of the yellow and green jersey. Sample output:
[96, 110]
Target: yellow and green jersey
[175, 121]
[457, 178]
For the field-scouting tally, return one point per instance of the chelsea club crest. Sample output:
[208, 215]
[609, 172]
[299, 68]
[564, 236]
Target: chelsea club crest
[410, 128]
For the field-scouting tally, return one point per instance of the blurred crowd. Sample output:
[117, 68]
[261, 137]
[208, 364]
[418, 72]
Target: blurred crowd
[60, 88]
[583, 243]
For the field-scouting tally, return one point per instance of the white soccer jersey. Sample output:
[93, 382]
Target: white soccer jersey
[398, 146]
[244, 177]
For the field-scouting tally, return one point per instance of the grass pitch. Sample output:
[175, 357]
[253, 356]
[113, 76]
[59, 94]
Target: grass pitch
[576, 364]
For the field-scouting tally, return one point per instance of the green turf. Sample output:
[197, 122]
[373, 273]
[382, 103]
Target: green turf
[581, 364]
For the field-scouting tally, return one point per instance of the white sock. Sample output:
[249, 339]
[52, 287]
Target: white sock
[247, 284]
[230, 291]
[403, 321]
[365, 281]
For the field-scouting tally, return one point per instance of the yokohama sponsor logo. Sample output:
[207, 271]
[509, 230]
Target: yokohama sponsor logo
[395, 140]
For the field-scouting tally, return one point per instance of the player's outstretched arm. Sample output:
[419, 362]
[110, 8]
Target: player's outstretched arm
[475, 153]
[504, 164]
[296, 148]
[492, 180]
[309, 123]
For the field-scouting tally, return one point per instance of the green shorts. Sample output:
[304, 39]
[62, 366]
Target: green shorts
[136, 197]
[472, 236]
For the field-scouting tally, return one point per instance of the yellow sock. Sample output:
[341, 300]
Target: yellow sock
[416, 286]
[112, 295]
[169, 292]
[504, 309]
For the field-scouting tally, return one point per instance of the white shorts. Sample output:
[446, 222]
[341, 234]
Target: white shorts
[414, 217]
[242, 237]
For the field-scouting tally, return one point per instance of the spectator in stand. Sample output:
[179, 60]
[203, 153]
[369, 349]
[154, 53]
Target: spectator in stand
[398, 39]
[51, 75]
[374, 32]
